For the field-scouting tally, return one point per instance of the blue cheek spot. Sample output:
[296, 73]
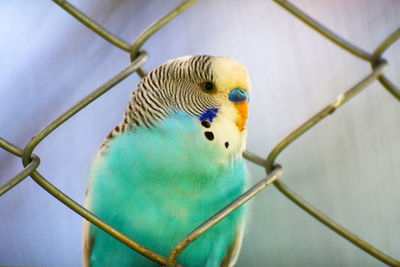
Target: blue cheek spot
[238, 96]
[210, 114]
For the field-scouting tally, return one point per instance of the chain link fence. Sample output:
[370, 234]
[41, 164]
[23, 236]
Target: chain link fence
[273, 169]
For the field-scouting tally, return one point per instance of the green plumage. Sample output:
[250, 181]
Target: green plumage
[156, 185]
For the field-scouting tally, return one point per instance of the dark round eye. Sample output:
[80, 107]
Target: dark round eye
[208, 86]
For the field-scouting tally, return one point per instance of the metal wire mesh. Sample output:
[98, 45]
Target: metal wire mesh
[274, 170]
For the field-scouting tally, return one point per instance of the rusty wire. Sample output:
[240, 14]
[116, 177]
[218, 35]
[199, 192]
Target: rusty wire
[273, 169]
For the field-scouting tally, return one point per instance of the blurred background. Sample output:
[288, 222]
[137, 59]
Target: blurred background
[347, 165]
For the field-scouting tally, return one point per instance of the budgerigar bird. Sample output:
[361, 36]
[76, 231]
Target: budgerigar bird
[174, 161]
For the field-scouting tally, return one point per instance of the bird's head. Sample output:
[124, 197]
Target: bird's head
[214, 90]
[229, 86]
[205, 86]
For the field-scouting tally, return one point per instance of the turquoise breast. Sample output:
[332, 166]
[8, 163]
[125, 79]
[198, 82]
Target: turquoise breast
[156, 186]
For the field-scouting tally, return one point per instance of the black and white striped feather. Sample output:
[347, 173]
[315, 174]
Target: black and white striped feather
[174, 86]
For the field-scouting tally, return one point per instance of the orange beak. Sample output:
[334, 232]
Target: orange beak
[243, 111]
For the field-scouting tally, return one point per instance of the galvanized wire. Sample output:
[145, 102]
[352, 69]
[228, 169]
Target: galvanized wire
[249, 194]
[24, 173]
[273, 169]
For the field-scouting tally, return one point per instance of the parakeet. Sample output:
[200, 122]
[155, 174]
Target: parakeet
[174, 161]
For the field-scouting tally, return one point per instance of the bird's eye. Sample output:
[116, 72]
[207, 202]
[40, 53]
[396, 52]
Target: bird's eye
[208, 87]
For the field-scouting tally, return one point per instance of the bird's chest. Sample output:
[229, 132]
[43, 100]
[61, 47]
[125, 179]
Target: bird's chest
[182, 163]
[159, 184]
